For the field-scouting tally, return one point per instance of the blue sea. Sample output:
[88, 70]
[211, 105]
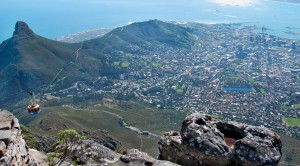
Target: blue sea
[62, 17]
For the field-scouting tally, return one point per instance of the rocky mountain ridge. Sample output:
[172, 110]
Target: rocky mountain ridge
[202, 141]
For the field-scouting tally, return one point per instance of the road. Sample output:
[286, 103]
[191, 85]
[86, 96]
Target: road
[66, 65]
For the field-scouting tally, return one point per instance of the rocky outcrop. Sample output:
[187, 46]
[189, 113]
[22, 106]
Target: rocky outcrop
[13, 149]
[204, 140]
[22, 31]
[92, 153]
[135, 157]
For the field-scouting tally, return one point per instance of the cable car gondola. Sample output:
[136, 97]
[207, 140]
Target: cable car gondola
[33, 108]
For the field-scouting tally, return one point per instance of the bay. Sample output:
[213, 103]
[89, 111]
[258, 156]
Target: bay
[61, 17]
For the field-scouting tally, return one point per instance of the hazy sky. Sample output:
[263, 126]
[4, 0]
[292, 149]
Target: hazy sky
[61, 17]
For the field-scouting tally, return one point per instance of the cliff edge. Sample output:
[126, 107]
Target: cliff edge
[204, 140]
[13, 148]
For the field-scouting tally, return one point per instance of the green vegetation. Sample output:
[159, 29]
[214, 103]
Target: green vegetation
[69, 139]
[292, 121]
[157, 31]
[297, 106]
[103, 117]
[290, 149]
[263, 91]
[128, 55]
[179, 90]
[125, 64]
[251, 80]
[116, 63]
[31, 141]
[157, 64]
[233, 80]
[282, 106]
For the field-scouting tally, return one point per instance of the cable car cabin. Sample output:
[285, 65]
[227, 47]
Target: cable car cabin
[33, 109]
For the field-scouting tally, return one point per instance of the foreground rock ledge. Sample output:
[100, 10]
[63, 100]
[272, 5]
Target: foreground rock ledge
[204, 140]
[13, 149]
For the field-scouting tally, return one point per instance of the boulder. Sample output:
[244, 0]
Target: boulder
[92, 153]
[39, 157]
[204, 140]
[135, 157]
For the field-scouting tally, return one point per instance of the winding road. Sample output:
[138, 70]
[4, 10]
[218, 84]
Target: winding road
[66, 65]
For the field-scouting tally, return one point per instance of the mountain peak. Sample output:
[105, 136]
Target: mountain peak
[22, 31]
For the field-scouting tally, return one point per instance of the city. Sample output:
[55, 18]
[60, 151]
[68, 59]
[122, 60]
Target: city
[230, 72]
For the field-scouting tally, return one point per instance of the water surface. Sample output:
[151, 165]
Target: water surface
[61, 17]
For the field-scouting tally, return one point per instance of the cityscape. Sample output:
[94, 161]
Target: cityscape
[231, 72]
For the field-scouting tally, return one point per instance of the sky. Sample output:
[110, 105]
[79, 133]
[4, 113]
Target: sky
[62, 17]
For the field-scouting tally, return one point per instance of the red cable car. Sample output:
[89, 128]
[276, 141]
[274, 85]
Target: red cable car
[33, 108]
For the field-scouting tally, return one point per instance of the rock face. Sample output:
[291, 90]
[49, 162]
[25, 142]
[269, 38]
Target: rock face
[204, 140]
[135, 157]
[92, 153]
[22, 31]
[13, 149]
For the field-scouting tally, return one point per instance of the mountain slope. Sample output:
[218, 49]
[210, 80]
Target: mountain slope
[31, 62]
[145, 33]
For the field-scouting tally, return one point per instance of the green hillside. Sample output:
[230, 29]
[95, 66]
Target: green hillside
[143, 33]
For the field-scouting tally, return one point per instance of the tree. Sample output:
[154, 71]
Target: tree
[64, 149]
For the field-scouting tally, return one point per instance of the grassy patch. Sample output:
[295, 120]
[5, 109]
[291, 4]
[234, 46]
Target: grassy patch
[297, 106]
[157, 64]
[116, 63]
[251, 80]
[292, 121]
[128, 55]
[282, 106]
[263, 91]
[179, 90]
[125, 64]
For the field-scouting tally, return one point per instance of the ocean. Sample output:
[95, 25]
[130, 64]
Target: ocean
[62, 17]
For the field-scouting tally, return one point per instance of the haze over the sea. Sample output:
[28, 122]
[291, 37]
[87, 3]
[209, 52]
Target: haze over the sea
[61, 17]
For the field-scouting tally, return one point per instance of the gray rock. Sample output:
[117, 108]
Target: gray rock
[135, 157]
[16, 123]
[2, 148]
[39, 157]
[6, 116]
[92, 153]
[207, 141]
[6, 120]
[5, 136]
[5, 125]
[13, 149]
